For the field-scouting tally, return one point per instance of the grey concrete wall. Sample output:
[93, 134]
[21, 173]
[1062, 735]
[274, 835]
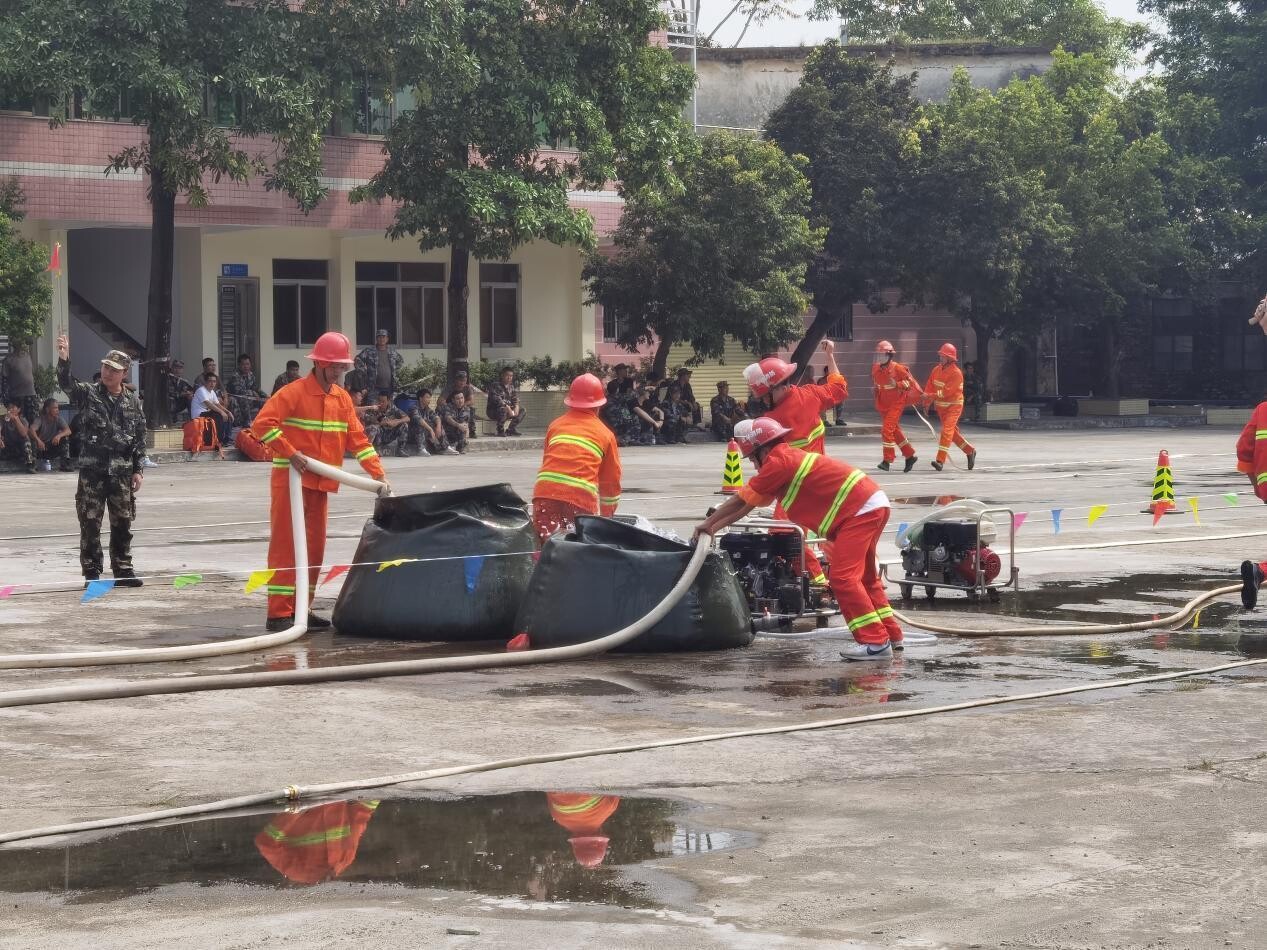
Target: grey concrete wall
[739, 88]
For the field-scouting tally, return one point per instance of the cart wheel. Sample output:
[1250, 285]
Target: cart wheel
[994, 595]
[908, 591]
[930, 593]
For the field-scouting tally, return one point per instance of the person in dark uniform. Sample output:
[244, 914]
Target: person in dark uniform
[111, 462]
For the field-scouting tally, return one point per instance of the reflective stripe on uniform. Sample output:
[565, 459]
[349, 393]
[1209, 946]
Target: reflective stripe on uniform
[817, 431]
[884, 612]
[281, 463]
[317, 425]
[614, 500]
[587, 805]
[279, 590]
[794, 488]
[365, 453]
[854, 478]
[1260, 434]
[1261, 478]
[948, 405]
[580, 440]
[303, 841]
[864, 620]
[271, 434]
[560, 479]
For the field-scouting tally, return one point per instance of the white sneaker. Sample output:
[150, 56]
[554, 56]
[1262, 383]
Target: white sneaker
[423, 453]
[866, 651]
[46, 465]
[148, 462]
[450, 450]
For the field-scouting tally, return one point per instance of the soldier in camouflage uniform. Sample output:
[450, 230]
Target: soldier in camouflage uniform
[111, 462]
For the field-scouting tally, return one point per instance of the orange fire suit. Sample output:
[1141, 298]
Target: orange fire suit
[1251, 455]
[315, 844]
[801, 410]
[849, 509]
[895, 389]
[583, 814]
[945, 390]
[302, 417]
[579, 475]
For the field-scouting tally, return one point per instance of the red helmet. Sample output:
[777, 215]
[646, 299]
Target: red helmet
[332, 347]
[586, 392]
[764, 376]
[884, 346]
[948, 350]
[590, 850]
[751, 434]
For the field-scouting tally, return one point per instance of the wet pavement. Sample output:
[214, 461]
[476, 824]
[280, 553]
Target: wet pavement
[567, 847]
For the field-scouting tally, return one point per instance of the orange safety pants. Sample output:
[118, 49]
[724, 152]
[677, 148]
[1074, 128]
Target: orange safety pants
[855, 580]
[949, 416]
[813, 566]
[892, 437]
[281, 547]
[550, 516]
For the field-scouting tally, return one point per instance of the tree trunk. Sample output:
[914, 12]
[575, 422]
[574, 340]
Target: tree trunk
[158, 332]
[459, 294]
[982, 332]
[805, 350]
[660, 363]
[1109, 386]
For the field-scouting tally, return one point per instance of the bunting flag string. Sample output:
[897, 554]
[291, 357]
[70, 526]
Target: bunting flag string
[472, 566]
[1192, 503]
[1055, 520]
[1096, 513]
[393, 563]
[1018, 519]
[333, 573]
[96, 590]
[900, 528]
[1232, 499]
[258, 579]
[181, 581]
[6, 591]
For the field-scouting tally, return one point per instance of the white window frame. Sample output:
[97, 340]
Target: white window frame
[398, 286]
[494, 285]
[299, 310]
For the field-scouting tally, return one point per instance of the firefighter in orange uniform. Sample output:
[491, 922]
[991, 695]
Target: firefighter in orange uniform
[840, 503]
[895, 389]
[312, 417]
[580, 471]
[583, 814]
[1251, 460]
[944, 390]
[315, 844]
[800, 410]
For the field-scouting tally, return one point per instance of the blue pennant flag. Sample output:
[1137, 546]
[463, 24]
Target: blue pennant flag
[96, 590]
[900, 528]
[474, 565]
[1055, 520]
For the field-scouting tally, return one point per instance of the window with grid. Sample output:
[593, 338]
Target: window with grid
[1242, 345]
[405, 299]
[499, 304]
[300, 301]
[1172, 335]
[611, 326]
[842, 329]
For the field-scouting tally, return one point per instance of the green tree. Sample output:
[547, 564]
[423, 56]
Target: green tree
[204, 78]
[726, 257]
[25, 293]
[466, 164]
[858, 125]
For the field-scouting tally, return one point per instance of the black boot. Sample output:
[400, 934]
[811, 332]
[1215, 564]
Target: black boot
[1251, 580]
[278, 624]
[910, 463]
[90, 576]
[935, 464]
[972, 460]
[883, 466]
[316, 622]
[126, 578]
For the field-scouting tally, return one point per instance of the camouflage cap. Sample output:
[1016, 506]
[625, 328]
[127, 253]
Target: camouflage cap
[117, 359]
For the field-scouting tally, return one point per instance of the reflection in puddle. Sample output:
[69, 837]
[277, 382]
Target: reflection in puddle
[547, 846]
[937, 500]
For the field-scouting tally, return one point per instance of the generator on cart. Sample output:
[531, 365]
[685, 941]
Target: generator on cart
[950, 549]
[769, 559]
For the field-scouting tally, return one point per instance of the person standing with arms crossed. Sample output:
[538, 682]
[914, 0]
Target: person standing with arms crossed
[312, 417]
[111, 462]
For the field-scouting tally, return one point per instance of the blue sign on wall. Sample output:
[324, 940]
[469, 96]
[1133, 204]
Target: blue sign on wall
[233, 270]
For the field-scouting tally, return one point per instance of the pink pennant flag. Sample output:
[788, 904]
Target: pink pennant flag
[6, 591]
[55, 260]
[1018, 519]
[334, 572]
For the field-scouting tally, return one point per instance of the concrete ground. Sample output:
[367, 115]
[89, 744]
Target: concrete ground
[1121, 818]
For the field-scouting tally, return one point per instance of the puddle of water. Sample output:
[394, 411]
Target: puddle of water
[544, 846]
[937, 500]
[613, 684]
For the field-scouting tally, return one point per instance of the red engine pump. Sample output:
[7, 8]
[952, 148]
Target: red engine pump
[990, 565]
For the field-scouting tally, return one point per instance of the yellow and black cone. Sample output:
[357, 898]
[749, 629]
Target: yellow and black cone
[732, 471]
[1163, 499]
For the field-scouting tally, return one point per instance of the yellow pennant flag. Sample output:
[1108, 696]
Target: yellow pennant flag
[1096, 511]
[258, 579]
[1192, 503]
[396, 563]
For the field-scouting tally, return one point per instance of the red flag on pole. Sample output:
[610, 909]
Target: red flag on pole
[55, 261]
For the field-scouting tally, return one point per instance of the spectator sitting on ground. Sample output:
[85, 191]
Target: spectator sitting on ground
[650, 414]
[754, 407]
[455, 417]
[430, 435]
[462, 384]
[15, 436]
[688, 396]
[503, 403]
[179, 390]
[208, 367]
[621, 383]
[677, 414]
[51, 435]
[206, 404]
[247, 397]
[725, 413]
[391, 424]
[288, 377]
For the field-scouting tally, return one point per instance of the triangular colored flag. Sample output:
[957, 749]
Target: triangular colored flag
[473, 565]
[96, 589]
[1055, 520]
[518, 642]
[55, 259]
[1096, 511]
[386, 564]
[1232, 499]
[6, 591]
[333, 573]
[1018, 519]
[1196, 621]
[902, 527]
[1192, 503]
[181, 581]
[258, 579]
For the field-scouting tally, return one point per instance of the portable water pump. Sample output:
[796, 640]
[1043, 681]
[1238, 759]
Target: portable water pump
[950, 554]
[771, 570]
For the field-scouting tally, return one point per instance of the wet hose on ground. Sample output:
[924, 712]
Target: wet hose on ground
[451, 664]
[293, 793]
[33, 661]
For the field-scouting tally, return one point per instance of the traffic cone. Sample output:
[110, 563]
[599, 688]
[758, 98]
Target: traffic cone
[732, 471]
[1163, 488]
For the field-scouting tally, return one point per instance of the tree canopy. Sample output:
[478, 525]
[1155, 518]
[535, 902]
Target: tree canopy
[25, 294]
[726, 257]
